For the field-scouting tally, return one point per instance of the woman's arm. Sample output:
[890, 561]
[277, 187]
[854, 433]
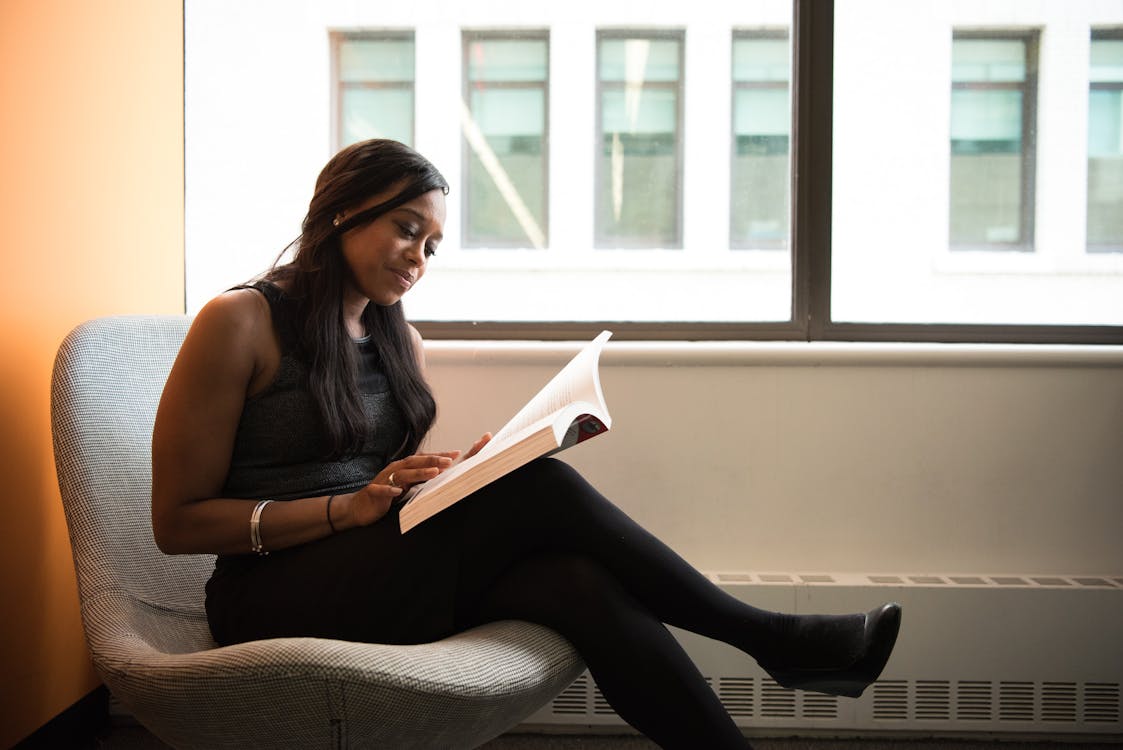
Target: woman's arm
[229, 352]
[225, 354]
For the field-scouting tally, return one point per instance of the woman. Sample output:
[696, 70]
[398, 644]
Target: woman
[295, 415]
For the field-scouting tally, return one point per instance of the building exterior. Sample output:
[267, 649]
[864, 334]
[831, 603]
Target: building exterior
[623, 161]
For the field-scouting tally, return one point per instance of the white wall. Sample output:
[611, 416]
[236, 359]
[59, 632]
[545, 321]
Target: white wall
[821, 458]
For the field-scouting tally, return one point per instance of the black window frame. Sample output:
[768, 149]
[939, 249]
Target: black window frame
[812, 173]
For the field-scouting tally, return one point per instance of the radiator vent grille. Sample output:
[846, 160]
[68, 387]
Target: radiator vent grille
[738, 578]
[971, 704]
[1101, 702]
[1015, 701]
[737, 695]
[933, 700]
[1058, 701]
[974, 701]
[600, 704]
[573, 701]
[776, 701]
[891, 700]
[817, 706]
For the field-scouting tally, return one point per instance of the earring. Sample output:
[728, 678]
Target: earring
[336, 220]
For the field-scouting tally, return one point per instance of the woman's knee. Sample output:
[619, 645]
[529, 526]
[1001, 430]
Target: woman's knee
[577, 583]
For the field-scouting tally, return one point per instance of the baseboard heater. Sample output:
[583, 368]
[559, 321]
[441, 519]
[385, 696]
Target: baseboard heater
[1034, 655]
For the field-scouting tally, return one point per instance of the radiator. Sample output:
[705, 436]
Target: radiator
[977, 654]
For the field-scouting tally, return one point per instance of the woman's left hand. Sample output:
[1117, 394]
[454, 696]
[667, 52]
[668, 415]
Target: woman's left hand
[415, 469]
[478, 445]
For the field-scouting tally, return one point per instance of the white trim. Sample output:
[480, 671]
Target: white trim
[778, 353]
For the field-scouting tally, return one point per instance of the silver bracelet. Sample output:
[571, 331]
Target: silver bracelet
[255, 528]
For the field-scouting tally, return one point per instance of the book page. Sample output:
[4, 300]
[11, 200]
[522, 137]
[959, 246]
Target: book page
[577, 381]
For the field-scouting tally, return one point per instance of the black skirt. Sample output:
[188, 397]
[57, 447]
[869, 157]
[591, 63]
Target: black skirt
[371, 584]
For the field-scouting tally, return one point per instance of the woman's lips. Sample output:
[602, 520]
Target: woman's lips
[405, 276]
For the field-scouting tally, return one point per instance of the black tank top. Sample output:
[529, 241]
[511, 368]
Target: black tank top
[281, 446]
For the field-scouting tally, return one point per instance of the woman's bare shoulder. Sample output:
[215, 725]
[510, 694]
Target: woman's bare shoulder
[236, 324]
[239, 312]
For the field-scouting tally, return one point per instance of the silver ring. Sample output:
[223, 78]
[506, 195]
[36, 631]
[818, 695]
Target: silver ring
[390, 481]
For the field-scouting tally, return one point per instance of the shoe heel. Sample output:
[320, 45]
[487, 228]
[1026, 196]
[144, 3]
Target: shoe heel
[824, 684]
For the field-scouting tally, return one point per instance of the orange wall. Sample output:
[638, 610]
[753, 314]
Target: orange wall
[91, 223]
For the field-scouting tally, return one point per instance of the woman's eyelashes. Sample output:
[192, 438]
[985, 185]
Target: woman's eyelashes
[408, 231]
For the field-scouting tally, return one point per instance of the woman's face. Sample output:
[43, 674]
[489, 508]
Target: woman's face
[388, 256]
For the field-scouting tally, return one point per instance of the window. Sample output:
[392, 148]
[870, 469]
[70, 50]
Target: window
[505, 139]
[760, 194]
[1105, 142]
[643, 151]
[944, 167]
[374, 87]
[993, 94]
[639, 156]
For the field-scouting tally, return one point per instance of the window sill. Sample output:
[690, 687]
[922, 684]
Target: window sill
[775, 354]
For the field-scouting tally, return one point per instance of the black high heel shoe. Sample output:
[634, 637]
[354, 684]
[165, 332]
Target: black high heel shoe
[881, 628]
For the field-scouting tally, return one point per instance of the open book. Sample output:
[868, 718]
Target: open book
[569, 410]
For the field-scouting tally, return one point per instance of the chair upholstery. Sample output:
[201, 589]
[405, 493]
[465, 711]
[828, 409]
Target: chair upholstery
[143, 610]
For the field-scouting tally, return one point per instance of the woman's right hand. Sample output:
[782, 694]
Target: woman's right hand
[373, 501]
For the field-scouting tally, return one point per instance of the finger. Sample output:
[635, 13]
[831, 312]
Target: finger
[425, 460]
[479, 444]
[408, 477]
[443, 454]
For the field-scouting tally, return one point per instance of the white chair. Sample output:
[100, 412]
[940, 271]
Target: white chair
[143, 610]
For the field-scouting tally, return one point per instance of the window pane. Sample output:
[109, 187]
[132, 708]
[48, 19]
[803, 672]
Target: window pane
[988, 60]
[638, 170]
[986, 167]
[638, 60]
[1107, 61]
[505, 190]
[376, 60]
[507, 60]
[959, 136]
[1105, 147]
[988, 151]
[376, 113]
[374, 80]
[759, 210]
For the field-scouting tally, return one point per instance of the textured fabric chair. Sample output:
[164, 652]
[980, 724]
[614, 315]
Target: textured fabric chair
[143, 610]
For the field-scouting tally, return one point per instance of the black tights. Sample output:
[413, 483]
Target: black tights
[542, 545]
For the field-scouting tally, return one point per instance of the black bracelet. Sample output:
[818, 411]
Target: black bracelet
[330, 524]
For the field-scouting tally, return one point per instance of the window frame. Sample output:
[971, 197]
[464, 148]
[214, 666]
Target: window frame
[1029, 90]
[336, 40]
[600, 240]
[812, 82]
[467, 36]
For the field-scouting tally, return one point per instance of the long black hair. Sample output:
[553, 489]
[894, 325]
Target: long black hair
[314, 280]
